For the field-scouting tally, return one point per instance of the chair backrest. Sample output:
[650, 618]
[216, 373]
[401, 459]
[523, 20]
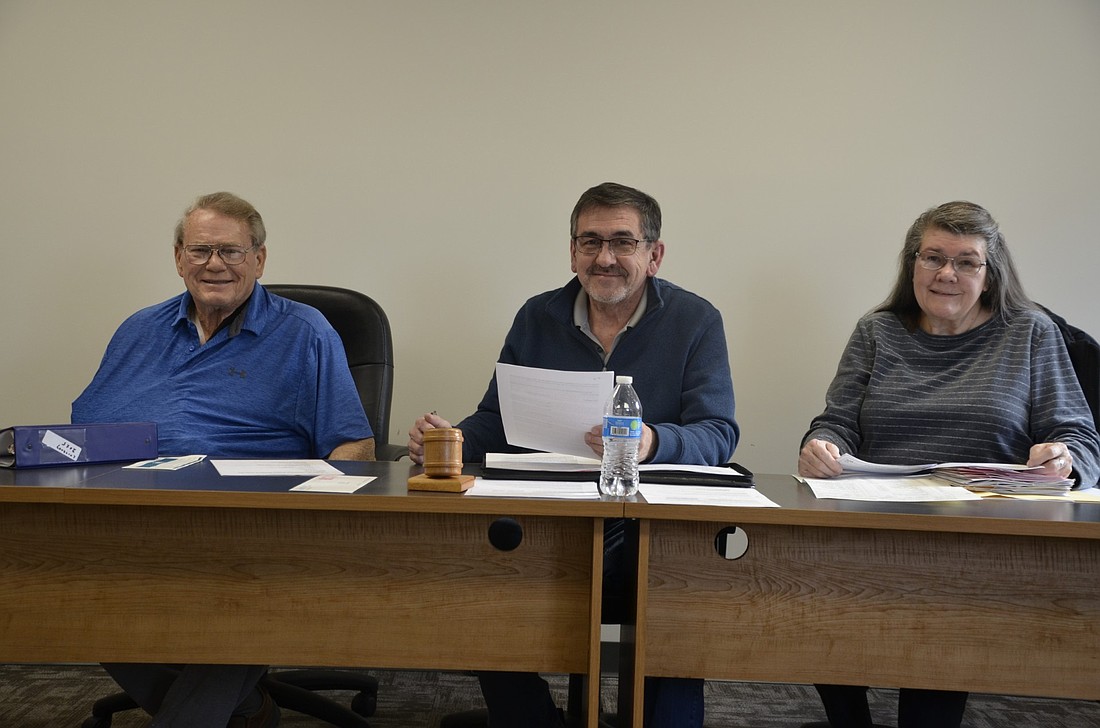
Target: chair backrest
[368, 344]
[1084, 352]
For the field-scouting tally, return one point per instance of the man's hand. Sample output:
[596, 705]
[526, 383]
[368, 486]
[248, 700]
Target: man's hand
[594, 439]
[424, 423]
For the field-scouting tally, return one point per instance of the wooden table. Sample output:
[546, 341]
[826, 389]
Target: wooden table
[103, 564]
[976, 595]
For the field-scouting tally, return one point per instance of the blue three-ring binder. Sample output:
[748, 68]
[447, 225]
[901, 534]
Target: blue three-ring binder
[36, 446]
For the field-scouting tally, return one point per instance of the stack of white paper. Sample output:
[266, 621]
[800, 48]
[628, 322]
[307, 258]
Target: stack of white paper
[978, 477]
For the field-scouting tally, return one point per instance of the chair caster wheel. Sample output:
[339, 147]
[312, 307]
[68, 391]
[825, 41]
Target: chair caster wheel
[364, 704]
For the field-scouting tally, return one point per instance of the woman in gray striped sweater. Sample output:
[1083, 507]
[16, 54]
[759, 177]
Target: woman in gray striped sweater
[957, 365]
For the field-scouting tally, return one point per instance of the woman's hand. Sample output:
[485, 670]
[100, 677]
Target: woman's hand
[819, 459]
[1054, 457]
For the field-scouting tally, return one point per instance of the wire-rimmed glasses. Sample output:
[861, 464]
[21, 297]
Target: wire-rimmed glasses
[229, 254]
[966, 265]
[593, 245]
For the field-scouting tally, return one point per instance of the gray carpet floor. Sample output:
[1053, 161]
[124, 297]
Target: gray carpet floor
[50, 696]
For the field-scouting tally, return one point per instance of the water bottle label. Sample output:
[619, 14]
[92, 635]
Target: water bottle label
[623, 427]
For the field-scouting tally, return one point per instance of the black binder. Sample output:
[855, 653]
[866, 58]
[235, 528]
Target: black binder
[739, 477]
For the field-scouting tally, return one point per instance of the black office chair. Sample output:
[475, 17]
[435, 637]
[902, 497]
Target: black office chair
[1084, 353]
[368, 345]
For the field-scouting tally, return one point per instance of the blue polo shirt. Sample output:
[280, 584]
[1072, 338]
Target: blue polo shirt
[274, 384]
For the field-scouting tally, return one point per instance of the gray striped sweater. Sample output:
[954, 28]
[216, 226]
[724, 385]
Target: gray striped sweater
[986, 395]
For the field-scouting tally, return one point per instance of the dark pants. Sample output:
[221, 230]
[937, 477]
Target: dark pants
[523, 700]
[846, 707]
[186, 696]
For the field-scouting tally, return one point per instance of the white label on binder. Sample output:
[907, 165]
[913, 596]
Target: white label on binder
[59, 444]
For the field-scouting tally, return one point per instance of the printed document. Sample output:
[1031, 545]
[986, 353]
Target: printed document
[334, 483]
[534, 489]
[167, 463]
[542, 461]
[703, 495]
[274, 467]
[896, 490]
[852, 464]
[983, 477]
[550, 410]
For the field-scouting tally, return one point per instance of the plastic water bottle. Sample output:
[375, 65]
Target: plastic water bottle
[622, 434]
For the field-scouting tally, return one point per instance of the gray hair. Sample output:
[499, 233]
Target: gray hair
[228, 204]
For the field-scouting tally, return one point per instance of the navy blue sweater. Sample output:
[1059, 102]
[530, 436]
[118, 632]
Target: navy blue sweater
[676, 354]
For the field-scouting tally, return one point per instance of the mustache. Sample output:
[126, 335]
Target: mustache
[615, 269]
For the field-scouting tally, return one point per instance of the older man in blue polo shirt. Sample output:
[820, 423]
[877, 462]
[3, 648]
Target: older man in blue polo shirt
[230, 370]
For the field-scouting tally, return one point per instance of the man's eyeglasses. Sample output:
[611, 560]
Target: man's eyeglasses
[965, 265]
[592, 245]
[230, 254]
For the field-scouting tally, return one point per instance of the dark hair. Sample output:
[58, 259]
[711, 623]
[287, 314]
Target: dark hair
[228, 204]
[1004, 294]
[612, 194]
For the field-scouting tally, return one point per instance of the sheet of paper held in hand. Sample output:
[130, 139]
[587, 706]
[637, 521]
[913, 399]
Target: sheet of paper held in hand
[852, 464]
[550, 410]
[979, 477]
[274, 467]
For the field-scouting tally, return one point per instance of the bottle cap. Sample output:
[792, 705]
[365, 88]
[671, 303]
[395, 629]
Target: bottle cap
[624, 380]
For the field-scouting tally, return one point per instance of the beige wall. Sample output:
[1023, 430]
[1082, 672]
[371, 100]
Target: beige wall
[428, 153]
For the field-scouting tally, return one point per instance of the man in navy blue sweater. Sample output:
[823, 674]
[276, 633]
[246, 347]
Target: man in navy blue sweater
[615, 315]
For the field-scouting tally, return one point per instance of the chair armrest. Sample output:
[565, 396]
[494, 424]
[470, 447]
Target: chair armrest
[390, 452]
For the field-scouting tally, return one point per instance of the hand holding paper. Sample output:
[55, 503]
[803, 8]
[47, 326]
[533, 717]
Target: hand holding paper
[551, 410]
